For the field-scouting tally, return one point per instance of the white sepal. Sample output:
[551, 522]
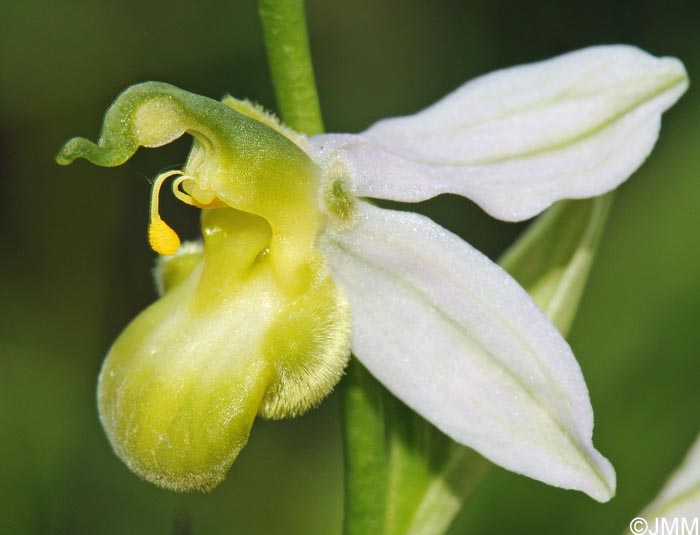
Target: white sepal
[458, 340]
[516, 140]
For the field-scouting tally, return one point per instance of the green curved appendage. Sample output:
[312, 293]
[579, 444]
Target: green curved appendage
[152, 114]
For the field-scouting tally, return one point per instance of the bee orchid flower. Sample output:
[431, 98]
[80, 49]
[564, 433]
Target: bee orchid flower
[296, 267]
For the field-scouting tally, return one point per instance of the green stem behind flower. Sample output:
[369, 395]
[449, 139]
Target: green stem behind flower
[366, 452]
[287, 44]
[364, 429]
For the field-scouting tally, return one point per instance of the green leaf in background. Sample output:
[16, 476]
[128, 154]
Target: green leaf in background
[430, 476]
[553, 258]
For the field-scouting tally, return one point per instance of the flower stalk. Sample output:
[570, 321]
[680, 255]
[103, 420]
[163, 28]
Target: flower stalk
[289, 58]
[362, 397]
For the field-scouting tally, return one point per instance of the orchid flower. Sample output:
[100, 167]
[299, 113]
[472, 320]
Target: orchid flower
[296, 267]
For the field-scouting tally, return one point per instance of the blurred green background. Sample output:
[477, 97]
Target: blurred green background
[75, 262]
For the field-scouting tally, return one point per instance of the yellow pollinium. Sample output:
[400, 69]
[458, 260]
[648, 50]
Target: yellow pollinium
[163, 239]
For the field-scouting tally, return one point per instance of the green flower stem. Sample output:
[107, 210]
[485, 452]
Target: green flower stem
[366, 452]
[364, 431]
[287, 44]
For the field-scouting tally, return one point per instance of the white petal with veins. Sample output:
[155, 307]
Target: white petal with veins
[457, 339]
[516, 140]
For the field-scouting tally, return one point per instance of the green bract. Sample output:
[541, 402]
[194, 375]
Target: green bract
[250, 322]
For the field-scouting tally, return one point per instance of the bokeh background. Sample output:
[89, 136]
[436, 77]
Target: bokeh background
[75, 262]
